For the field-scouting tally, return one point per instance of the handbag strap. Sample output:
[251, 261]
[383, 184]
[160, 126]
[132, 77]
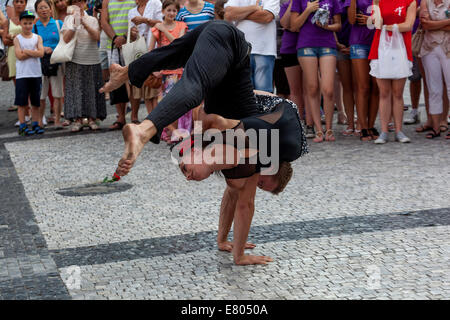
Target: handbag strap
[129, 32]
[57, 25]
[118, 49]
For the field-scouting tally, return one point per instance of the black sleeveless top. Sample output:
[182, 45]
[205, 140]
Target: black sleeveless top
[277, 129]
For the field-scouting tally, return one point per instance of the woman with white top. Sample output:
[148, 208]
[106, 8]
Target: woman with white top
[83, 73]
[435, 54]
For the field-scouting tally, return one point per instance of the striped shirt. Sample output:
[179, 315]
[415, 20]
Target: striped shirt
[118, 16]
[194, 20]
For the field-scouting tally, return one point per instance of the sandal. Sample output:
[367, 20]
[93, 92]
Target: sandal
[76, 127]
[93, 125]
[447, 136]
[136, 122]
[116, 126]
[66, 123]
[12, 108]
[423, 128]
[373, 132]
[443, 128]
[365, 136]
[319, 137]
[329, 136]
[433, 134]
[348, 132]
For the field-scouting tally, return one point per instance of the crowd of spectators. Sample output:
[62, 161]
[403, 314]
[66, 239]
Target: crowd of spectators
[323, 55]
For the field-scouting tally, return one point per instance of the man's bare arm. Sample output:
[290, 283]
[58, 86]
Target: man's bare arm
[239, 13]
[261, 16]
[104, 20]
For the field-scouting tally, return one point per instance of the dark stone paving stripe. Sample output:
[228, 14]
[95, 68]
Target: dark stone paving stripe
[179, 244]
[50, 134]
[29, 271]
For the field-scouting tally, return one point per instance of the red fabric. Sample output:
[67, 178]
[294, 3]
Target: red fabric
[392, 12]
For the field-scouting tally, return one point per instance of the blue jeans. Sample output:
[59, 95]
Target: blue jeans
[359, 51]
[317, 52]
[262, 72]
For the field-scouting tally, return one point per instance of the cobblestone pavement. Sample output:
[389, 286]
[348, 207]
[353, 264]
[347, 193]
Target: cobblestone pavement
[357, 221]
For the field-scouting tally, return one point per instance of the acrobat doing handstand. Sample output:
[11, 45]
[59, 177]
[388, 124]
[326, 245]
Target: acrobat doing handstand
[216, 61]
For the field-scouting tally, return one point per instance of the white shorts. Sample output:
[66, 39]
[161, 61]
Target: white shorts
[57, 84]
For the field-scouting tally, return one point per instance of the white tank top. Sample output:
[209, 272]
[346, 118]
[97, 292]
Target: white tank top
[31, 67]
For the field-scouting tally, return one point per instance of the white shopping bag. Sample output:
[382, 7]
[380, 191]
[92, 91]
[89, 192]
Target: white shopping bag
[393, 61]
[133, 50]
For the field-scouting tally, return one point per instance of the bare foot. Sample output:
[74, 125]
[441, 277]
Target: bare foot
[228, 246]
[249, 259]
[118, 76]
[135, 140]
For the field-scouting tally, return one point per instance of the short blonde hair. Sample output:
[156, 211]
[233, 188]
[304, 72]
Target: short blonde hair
[283, 176]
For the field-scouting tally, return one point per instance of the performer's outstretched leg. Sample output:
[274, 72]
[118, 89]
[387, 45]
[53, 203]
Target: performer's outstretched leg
[215, 65]
[219, 60]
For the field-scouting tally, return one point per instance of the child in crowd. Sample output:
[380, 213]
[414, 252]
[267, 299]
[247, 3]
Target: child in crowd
[163, 34]
[28, 49]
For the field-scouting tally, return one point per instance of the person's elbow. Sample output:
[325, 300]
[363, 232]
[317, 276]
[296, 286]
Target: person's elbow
[229, 14]
[267, 17]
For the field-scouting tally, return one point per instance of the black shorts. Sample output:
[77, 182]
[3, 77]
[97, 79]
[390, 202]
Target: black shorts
[280, 79]
[289, 60]
[28, 88]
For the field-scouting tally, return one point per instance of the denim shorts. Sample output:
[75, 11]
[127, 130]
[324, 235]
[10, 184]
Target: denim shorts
[359, 51]
[103, 55]
[316, 52]
[262, 71]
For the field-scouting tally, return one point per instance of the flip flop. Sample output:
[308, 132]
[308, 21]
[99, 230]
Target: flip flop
[423, 128]
[116, 126]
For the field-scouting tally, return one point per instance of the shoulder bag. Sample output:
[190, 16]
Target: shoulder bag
[63, 51]
[133, 50]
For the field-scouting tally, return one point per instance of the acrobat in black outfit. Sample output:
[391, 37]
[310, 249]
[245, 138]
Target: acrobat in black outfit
[215, 56]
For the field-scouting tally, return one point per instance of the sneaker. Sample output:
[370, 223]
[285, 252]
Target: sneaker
[24, 130]
[401, 137]
[413, 117]
[382, 139]
[37, 129]
[310, 133]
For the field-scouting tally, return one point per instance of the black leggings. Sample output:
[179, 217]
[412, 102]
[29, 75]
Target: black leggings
[216, 62]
